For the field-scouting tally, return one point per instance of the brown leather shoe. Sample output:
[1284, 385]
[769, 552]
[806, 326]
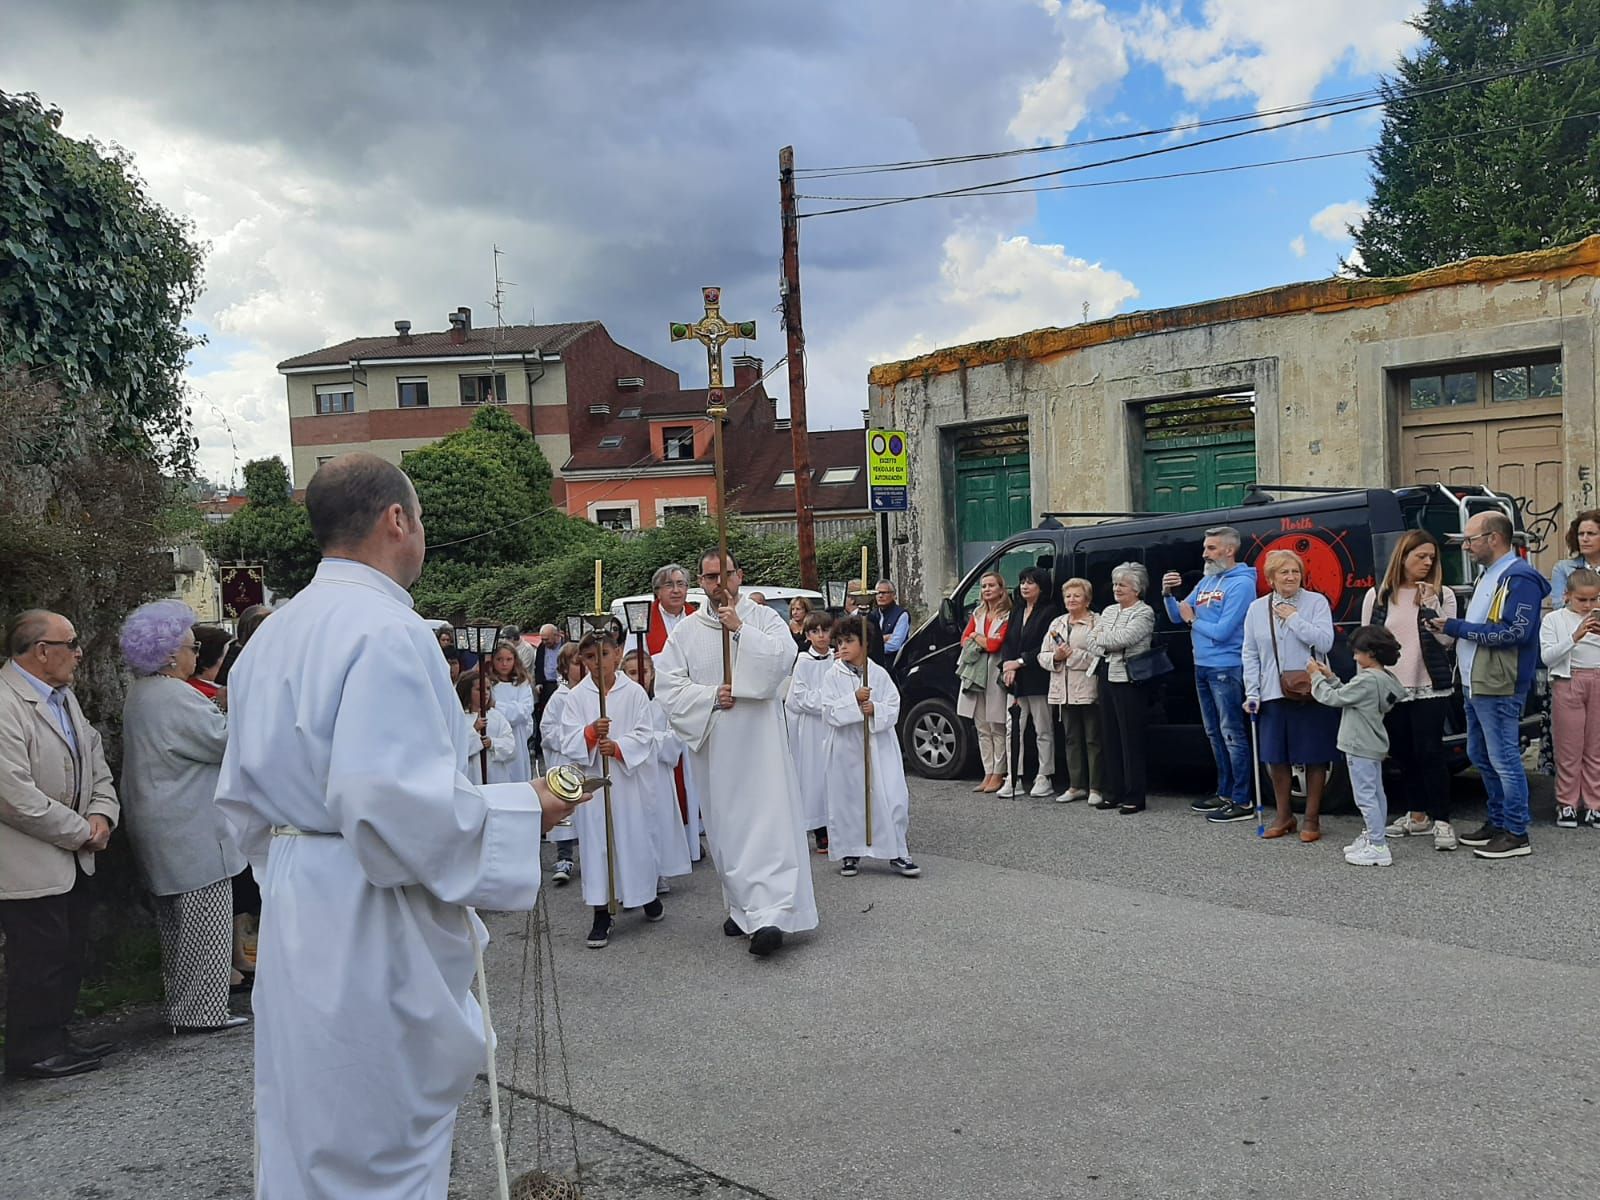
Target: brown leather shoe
[1311, 835]
[1278, 831]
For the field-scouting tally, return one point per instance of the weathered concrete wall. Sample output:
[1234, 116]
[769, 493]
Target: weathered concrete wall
[1321, 359]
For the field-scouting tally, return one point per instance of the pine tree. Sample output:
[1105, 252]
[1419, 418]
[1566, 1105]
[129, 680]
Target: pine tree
[1439, 196]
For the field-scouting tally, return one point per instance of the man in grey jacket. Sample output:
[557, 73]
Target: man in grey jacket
[57, 810]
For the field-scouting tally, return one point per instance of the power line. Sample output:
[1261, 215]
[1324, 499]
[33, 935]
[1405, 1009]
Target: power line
[1443, 84]
[1273, 162]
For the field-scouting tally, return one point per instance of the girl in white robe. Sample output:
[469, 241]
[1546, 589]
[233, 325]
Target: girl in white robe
[846, 704]
[626, 737]
[513, 696]
[496, 736]
[807, 730]
[563, 837]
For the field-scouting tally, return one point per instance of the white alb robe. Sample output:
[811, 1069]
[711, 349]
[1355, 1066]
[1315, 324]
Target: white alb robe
[502, 748]
[550, 739]
[844, 757]
[344, 726]
[632, 806]
[740, 757]
[807, 733]
[515, 702]
[667, 828]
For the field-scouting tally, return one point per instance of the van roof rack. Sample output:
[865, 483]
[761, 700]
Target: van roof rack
[1050, 516]
[1306, 489]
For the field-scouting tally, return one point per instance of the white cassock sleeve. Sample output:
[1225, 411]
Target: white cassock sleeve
[398, 796]
[838, 698]
[689, 705]
[763, 661]
[885, 700]
[502, 738]
[515, 703]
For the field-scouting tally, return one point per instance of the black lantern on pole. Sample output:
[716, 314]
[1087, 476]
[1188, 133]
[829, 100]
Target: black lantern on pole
[837, 591]
[638, 614]
[477, 636]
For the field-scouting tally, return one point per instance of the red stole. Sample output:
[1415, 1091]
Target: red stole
[655, 641]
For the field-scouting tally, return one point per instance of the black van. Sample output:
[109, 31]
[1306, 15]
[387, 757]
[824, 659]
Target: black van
[1344, 536]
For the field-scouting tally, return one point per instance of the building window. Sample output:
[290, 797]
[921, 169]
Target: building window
[840, 474]
[611, 441]
[614, 518]
[677, 442]
[475, 389]
[785, 479]
[1529, 378]
[336, 398]
[631, 413]
[324, 459]
[668, 512]
[413, 393]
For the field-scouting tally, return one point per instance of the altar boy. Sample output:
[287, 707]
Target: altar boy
[626, 738]
[808, 731]
[857, 691]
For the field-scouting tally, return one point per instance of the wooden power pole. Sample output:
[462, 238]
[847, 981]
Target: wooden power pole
[805, 529]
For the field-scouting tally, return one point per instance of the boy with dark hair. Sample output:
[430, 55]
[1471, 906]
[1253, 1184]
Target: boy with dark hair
[808, 731]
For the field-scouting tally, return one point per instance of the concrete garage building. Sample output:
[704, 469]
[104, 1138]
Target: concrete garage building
[1480, 371]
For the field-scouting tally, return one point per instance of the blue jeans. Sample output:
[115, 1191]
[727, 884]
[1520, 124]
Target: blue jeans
[1493, 747]
[1221, 691]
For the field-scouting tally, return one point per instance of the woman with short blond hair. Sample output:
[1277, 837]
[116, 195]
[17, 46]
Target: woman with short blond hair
[1074, 689]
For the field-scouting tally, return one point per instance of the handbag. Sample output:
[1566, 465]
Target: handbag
[1151, 664]
[1296, 685]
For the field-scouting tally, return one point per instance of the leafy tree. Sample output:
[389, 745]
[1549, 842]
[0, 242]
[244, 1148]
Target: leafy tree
[95, 282]
[270, 529]
[1442, 191]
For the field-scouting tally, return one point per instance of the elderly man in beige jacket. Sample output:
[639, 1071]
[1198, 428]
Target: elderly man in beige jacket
[57, 810]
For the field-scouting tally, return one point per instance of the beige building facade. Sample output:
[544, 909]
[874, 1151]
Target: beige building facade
[1477, 372]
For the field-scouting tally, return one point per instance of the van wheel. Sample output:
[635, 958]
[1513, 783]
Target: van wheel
[937, 743]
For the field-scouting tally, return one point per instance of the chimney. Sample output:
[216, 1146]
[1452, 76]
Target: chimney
[458, 329]
[746, 371]
[402, 331]
[466, 318]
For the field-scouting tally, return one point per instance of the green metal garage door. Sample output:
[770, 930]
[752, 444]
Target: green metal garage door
[1198, 452]
[992, 496]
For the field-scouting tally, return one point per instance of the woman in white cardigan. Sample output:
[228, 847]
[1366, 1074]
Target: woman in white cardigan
[173, 739]
[1074, 688]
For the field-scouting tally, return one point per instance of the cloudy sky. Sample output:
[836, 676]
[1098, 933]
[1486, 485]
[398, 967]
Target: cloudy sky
[352, 163]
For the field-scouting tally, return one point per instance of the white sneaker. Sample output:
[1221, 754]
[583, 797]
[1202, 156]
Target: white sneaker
[662, 886]
[1363, 839]
[1071, 794]
[1095, 797]
[1042, 788]
[1444, 836]
[1404, 826]
[1008, 789]
[1369, 856]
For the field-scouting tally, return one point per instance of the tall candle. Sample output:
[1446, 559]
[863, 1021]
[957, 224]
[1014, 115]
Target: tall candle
[863, 568]
[597, 594]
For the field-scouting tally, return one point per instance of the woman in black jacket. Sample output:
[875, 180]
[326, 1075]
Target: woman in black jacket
[1027, 681]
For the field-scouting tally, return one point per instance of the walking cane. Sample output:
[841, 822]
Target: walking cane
[1255, 767]
[1016, 741]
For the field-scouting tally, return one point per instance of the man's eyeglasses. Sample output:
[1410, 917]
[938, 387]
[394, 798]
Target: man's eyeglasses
[1469, 538]
[70, 644]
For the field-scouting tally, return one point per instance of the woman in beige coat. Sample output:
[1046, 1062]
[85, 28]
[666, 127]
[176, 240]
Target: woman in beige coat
[1074, 688]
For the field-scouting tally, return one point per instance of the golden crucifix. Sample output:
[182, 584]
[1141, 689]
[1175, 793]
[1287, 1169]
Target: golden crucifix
[712, 331]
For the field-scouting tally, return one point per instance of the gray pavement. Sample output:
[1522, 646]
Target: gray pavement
[1068, 1003]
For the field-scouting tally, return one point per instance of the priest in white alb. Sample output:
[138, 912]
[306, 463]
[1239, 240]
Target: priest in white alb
[736, 738]
[343, 782]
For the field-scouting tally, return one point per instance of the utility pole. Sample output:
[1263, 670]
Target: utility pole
[789, 289]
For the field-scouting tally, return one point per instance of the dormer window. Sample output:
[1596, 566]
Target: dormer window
[611, 441]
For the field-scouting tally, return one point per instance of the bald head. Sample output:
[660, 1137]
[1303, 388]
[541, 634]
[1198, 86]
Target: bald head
[348, 497]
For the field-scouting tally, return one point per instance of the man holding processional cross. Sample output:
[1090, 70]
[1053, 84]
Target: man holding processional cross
[721, 678]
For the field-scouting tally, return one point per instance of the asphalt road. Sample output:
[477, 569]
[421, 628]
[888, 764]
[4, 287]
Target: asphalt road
[1068, 1003]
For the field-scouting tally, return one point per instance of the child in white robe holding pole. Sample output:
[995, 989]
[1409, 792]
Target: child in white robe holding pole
[564, 837]
[808, 731]
[856, 691]
[491, 732]
[625, 737]
[666, 826]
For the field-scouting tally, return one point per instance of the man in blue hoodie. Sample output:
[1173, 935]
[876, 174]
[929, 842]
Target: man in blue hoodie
[1215, 609]
[1497, 650]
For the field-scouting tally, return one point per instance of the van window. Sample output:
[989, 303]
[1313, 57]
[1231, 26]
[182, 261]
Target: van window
[1098, 559]
[1010, 565]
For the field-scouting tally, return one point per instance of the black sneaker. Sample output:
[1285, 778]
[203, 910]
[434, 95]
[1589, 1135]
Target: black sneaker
[1566, 817]
[654, 911]
[1481, 836]
[601, 932]
[562, 872]
[1106, 804]
[1591, 818]
[906, 867]
[765, 940]
[730, 928]
[1229, 813]
[1207, 804]
[1505, 845]
[850, 866]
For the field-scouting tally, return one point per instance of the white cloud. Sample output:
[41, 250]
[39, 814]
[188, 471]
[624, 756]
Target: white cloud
[1275, 51]
[1298, 245]
[1092, 62]
[1334, 221]
[1183, 125]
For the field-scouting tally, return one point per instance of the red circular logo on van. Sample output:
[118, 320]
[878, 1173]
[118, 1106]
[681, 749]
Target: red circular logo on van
[1324, 568]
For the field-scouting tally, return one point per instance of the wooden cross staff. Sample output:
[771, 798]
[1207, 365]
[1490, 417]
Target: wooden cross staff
[713, 332]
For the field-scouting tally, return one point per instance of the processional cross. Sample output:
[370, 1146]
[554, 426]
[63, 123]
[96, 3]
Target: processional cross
[713, 331]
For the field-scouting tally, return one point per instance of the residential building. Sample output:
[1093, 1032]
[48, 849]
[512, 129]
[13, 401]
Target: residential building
[390, 395]
[1476, 372]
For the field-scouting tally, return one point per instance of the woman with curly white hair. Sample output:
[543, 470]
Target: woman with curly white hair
[173, 739]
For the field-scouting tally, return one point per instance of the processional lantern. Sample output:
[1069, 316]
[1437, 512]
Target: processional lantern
[836, 592]
[638, 613]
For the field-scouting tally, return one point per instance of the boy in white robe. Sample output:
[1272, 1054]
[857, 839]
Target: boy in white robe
[490, 733]
[847, 705]
[342, 784]
[626, 738]
[667, 829]
[564, 837]
[807, 730]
